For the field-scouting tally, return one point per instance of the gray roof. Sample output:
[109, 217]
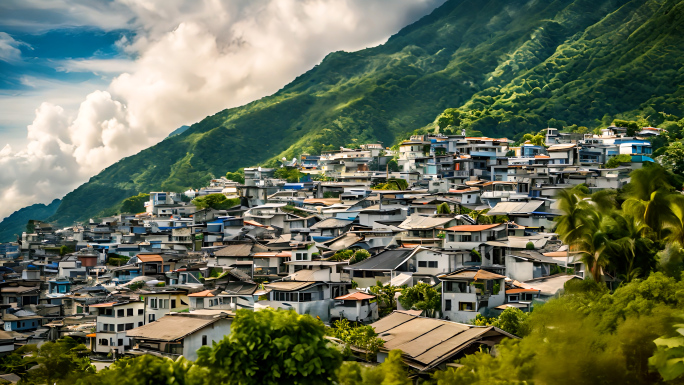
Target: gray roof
[387, 260]
[427, 342]
[505, 208]
[331, 223]
[171, 328]
[239, 250]
[240, 288]
[532, 256]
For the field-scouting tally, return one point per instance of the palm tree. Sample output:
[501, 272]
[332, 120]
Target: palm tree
[578, 218]
[594, 252]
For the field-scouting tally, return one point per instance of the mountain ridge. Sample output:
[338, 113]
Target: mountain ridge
[509, 67]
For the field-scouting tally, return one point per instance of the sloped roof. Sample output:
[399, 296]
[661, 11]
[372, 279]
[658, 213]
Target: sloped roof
[331, 223]
[417, 222]
[239, 250]
[358, 296]
[171, 328]
[150, 258]
[203, 293]
[473, 227]
[288, 285]
[427, 342]
[505, 208]
[473, 275]
[386, 260]
[240, 288]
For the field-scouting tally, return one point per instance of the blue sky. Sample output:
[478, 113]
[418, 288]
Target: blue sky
[43, 73]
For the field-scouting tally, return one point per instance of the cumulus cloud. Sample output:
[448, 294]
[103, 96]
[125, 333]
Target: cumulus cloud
[192, 59]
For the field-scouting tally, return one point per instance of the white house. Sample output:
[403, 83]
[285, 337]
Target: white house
[113, 320]
[465, 293]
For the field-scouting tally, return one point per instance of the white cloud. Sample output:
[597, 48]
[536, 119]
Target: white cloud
[193, 59]
[9, 48]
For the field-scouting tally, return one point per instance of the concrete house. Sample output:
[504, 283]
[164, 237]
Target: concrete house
[467, 292]
[113, 320]
[179, 334]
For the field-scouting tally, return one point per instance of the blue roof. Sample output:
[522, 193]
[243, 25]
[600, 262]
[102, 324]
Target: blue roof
[490, 154]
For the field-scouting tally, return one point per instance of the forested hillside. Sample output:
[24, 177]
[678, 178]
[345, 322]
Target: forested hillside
[15, 224]
[509, 67]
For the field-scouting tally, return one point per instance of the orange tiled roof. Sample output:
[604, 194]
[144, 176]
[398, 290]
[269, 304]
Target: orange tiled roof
[358, 296]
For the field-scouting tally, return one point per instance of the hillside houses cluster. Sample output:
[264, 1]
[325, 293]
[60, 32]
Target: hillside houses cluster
[475, 223]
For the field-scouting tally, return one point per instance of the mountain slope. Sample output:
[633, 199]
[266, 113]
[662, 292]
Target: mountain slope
[510, 65]
[15, 224]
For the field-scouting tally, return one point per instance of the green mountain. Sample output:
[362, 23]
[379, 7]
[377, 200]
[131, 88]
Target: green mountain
[15, 224]
[509, 66]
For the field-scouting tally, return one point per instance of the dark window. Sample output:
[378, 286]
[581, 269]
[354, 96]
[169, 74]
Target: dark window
[120, 342]
[432, 264]
[449, 287]
[120, 313]
[140, 324]
[104, 342]
[120, 327]
[140, 311]
[204, 340]
[305, 297]
[447, 305]
[422, 263]
[130, 326]
[173, 304]
[129, 312]
[151, 317]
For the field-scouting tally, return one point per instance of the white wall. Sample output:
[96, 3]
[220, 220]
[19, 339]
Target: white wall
[215, 333]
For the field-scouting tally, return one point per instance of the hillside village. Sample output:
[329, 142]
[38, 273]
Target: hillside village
[472, 217]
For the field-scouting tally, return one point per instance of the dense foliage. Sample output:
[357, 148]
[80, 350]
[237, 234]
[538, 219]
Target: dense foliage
[421, 296]
[135, 204]
[215, 201]
[506, 67]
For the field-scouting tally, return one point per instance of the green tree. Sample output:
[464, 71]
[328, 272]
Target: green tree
[673, 158]
[271, 347]
[392, 165]
[361, 336]
[215, 201]
[359, 255]
[342, 255]
[64, 250]
[421, 296]
[443, 208]
[537, 140]
[669, 356]
[392, 371]
[236, 176]
[384, 294]
[135, 204]
[147, 370]
[290, 174]
[617, 160]
[59, 362]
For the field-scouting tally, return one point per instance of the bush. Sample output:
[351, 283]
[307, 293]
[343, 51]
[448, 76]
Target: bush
[529, 246]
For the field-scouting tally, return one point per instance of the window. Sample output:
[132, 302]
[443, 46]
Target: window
[305, 297]
[466, 306]
[432, 264]
[173, 304]
[513, 298]
[120, 313]
[153, 303]
[140, 311]
[151, 318]
[111, 327]
[464, 238]
[120, 342]
[447, 305]
[204, 340]
[422, 263]
[120, 327]
[451, 237]
[104, 342]
[129, 312]
[140, 324]
[130, 326]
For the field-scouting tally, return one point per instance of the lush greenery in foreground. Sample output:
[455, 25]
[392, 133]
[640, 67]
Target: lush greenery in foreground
[587, 336]
[507, 68]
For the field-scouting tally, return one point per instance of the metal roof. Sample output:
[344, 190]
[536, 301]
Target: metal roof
[386, 260]
[505, 208]
[171, 328]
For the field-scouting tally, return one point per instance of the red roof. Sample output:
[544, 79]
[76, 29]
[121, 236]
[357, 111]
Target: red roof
[108, 304]
[205, 293]
[473, 227]
[515, 291]
[150, 258]
[358, 296]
